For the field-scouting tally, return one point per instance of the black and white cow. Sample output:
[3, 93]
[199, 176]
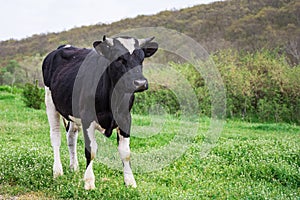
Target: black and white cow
[94, 88]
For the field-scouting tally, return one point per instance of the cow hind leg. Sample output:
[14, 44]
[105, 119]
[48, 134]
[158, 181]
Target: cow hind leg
[90, 154]
[72, 136]
[124, 151]
[53, 119]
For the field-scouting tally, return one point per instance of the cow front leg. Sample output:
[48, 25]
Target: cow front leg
[72, 136]
[90, 154]
[55, 137]
[124, 151]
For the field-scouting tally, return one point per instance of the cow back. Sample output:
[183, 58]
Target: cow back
[61, 58]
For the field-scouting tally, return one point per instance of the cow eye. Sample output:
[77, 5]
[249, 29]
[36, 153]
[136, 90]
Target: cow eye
[122, 60]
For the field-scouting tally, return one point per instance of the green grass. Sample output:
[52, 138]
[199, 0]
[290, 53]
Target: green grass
[249, 161]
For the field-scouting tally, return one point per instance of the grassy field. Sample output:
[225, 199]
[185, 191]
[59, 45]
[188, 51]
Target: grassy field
[249, 161]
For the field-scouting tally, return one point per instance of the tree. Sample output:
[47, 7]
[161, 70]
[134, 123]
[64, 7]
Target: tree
[12, 66]
[7, 73]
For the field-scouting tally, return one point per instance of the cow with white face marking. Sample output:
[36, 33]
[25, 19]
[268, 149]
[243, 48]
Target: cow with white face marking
[94, 88]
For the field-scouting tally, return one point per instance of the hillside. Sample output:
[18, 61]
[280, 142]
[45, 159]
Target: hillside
[237, 24]
[255, 45]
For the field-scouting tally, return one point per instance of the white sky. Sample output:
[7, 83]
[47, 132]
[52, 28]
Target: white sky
[22, 18]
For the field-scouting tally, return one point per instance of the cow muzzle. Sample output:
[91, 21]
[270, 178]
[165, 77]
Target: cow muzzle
[140, 85]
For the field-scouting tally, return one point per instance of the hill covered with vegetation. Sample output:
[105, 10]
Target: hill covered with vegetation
[238, 24]
[255, 45]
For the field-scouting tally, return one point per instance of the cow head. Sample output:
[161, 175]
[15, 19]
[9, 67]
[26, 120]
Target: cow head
[126, 56]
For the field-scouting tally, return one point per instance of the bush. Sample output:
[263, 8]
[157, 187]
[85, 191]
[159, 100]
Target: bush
[33, 95]
[260, 86]
[161, 96]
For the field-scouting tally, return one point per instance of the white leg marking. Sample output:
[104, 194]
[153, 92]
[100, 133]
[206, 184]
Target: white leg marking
[124, 151]
[53, 118]
[72, 136]
[92, 137]
[89, 177]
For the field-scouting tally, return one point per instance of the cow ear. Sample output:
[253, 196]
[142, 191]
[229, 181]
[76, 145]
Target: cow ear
[101, 47]
[150, 48]
[96, 43]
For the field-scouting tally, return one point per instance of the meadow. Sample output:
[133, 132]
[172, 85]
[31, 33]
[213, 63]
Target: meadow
[249, 161]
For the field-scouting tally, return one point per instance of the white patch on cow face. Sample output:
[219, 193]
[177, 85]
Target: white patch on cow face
[128, 43]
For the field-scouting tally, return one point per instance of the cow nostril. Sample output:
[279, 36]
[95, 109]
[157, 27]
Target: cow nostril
[139, 83]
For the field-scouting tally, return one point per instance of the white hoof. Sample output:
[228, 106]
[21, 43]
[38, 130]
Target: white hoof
[74, 167]
[89, 184]
[89, 178]
[129, 180]
[57, 170]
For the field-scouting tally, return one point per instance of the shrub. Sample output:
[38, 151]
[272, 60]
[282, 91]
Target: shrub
[157, 96]
[33, 95]
[260, 86]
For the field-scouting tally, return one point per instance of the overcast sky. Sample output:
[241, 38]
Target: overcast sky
[22, 18]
